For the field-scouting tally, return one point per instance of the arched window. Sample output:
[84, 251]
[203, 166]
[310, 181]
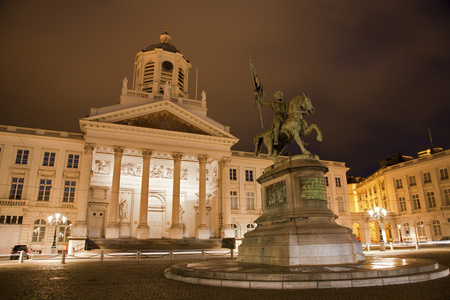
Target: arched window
[38, 231]
[181, 80]
[149, 73]
[166, 72]
[64, 232]
[420, 229]
[236, 230]
[437, 227]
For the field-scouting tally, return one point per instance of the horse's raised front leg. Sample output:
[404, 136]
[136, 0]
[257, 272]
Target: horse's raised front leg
[316, 128]
[300, 143]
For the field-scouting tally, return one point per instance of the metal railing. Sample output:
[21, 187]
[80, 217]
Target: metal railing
[137, 255]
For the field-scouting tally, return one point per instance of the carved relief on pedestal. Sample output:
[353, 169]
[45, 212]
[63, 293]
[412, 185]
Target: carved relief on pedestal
[276, 193]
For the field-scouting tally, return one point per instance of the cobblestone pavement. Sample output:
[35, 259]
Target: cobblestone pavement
[129, 279]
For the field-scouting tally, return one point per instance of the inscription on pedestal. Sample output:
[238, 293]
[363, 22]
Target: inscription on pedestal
[313, 188]
[276, 193]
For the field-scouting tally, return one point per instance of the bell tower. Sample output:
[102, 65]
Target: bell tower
[160, 66]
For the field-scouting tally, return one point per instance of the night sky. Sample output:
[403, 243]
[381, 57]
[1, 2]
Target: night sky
[377, 72]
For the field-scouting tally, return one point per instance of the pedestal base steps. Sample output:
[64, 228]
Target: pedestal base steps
[372, 272]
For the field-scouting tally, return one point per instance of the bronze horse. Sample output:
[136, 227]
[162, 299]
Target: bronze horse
[293, 128]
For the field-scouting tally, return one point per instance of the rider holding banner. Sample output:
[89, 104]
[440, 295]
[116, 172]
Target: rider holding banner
[280, 110]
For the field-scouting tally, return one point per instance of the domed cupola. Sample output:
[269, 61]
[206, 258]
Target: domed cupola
[159, 66]
[164, 43]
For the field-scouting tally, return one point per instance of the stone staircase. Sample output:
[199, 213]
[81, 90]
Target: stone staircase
[132, 244]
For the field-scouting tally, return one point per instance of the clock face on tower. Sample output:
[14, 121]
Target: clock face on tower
[167, 66]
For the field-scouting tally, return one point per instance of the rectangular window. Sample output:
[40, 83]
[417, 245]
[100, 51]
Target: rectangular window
[341, 204]
[398, 183]
[2, 219]
[22, 157]
[72, 161]
[326, 181]
[49, 159]
[412, 181]
[45, 185]
[233, 174]
[431, 199]
[233, 199]
[426, 177]
[402, 203]
[338, 182]
[444, 174]
[248, 175]
[19, 220]
[250, 200]
[447, 197]
[16, 188]
[69, 191]
[8, 219]
[382, 185]
[416, 201]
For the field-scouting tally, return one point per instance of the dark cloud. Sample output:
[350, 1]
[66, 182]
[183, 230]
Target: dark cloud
[377, 72]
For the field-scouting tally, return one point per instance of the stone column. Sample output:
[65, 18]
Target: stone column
[79, 232]
[143, 230]
[112, 230]
[202, 231]
[176, 229]
[227, 230]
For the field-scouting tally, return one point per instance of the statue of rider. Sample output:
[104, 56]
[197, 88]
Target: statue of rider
[280, 110]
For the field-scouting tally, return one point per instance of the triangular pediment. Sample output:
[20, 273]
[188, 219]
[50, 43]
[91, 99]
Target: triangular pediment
[163, 120]
[157, 116]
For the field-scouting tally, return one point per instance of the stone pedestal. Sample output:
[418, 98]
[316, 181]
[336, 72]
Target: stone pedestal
[202, 232]
[143, 232]
[124, 230]
[176, 232]
[296, 227]
[112, 231]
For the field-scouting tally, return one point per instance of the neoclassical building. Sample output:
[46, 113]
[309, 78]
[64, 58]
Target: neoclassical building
[152, 166]
[414, 191]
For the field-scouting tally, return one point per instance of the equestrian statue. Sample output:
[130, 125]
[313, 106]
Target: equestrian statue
[288, 124]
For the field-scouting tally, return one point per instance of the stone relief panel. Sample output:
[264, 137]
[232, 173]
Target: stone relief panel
[276, 194]
[131, 169]
[102, 167]
[163, 120]
[166, 172]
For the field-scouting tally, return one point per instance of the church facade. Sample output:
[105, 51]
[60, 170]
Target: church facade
[152, 166]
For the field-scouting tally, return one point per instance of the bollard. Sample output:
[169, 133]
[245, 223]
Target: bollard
[171, 255]
[138, 255]
[101, 256]
[232, 253]
[392, 246]
[63, 257]
[21, 257]
[203, 254]
[417, 245]
[368, 247]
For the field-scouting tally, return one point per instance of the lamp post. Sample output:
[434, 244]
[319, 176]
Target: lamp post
[55, 219]
[400, 232]
[379, 213]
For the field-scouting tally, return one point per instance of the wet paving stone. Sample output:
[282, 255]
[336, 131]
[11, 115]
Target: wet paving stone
[129, 279]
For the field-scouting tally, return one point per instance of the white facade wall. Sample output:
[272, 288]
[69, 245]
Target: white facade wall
[397, 188]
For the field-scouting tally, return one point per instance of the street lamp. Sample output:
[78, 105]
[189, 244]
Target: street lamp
[379, 213]
[57, 222]
[400, 232]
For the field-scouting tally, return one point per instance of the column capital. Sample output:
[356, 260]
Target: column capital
[118, 151]
[89, 149]
[177, 156]
[146, 153]
[226, 161]
[202, 158]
